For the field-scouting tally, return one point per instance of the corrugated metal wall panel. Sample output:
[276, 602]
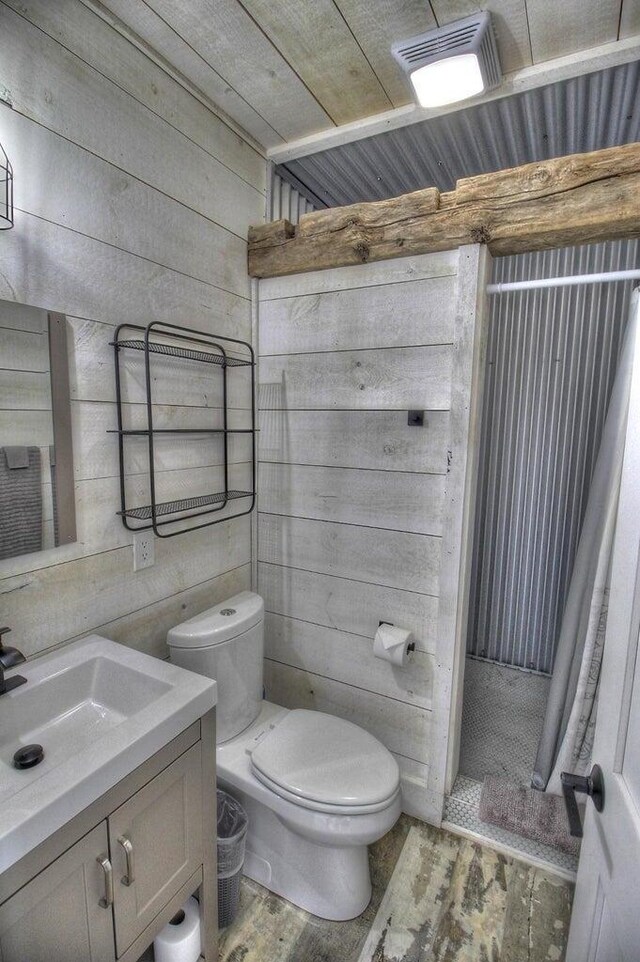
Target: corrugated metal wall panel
[287, 201]
[552, 354]
[551, 361]
[586, 113]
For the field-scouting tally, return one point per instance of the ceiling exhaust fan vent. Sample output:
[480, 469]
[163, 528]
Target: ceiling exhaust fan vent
[472, 36]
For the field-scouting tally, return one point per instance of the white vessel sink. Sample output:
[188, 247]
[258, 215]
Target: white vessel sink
[99, 710]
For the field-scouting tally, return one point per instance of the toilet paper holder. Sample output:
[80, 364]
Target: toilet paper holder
[410, 647]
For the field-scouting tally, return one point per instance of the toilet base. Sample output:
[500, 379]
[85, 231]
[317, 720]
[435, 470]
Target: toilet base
[330, 881]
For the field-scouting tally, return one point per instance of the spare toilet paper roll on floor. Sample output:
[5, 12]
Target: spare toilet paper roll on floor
[179, 941]
[392, 644]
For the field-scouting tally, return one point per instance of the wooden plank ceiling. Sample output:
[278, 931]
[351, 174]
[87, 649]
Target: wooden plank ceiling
[291, 68]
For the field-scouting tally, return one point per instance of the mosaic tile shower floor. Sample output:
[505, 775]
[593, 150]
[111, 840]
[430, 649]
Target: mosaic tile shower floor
[502, 716]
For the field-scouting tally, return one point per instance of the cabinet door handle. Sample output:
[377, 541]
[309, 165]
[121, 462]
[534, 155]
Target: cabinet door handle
[107, 868]
[129, 878]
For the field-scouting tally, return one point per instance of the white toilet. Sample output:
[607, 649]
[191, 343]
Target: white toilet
[317, 789]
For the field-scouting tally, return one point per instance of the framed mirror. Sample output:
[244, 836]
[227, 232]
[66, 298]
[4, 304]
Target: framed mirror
[37, 502]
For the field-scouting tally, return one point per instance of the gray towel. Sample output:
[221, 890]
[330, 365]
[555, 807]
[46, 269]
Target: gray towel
[17, 457]
[20, 504]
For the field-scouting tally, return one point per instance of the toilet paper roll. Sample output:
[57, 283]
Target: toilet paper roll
[392, 644]
[179, 941]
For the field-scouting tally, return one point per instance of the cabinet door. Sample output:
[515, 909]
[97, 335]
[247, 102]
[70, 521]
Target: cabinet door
[161, 826]
[57, 917]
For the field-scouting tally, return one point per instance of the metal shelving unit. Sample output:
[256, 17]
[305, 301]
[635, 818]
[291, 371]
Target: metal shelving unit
[167, 518]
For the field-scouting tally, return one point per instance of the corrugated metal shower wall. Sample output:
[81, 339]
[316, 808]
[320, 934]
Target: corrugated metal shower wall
[551, 361]
[286, 201]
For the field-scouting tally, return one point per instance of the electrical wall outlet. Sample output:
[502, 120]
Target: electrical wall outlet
[142, 550]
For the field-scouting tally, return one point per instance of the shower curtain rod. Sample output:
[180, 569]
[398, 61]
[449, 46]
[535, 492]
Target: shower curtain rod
[605, 278]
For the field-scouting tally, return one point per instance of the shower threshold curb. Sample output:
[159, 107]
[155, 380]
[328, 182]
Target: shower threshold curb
[461, 817]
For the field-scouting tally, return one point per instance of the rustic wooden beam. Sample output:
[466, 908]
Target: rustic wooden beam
[576, 199]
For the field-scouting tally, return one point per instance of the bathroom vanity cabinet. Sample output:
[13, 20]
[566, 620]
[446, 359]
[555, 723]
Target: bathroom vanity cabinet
[103, 886]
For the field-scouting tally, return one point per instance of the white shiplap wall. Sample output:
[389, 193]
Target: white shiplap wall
[352, 499]
[132, 204]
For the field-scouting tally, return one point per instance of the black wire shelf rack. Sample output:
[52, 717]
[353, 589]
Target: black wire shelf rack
[170, 350]
[171, 517]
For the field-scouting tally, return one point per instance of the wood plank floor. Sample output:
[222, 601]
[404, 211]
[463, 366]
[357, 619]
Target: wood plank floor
[437, 897]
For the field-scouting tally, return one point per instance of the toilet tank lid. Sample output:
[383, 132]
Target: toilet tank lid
[216, 625]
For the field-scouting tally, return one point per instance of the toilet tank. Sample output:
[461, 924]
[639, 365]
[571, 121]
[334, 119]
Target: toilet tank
[226, 642]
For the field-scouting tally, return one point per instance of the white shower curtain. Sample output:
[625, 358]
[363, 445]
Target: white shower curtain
[567, 736]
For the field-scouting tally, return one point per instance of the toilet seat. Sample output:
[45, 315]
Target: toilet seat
[327, 764]
[324, 807]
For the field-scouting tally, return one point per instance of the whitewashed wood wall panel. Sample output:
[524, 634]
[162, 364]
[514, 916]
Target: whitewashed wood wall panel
[348, 605]
[353, 439]
[132, 204]
[352, 499]
[378, 316]
[376, 499]
[73, 97]
[324, 651]
[395, 559]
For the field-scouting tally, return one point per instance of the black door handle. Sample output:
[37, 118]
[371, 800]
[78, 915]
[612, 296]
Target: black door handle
[591, 785]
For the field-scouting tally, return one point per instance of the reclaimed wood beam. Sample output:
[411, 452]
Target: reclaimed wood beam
[578, 199]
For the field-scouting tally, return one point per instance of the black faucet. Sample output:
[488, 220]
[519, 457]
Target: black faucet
[8, 658]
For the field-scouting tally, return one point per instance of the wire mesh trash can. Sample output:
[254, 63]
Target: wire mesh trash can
[232, 831]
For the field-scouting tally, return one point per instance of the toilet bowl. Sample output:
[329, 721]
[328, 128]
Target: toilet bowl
[317, 789]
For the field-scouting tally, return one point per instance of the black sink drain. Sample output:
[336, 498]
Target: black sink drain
[28, 756]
